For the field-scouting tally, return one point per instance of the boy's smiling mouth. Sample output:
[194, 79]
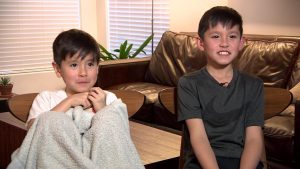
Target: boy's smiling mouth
[224, 53]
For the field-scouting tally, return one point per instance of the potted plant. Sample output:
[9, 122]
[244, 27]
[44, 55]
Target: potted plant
[5, 86]
[124, 50]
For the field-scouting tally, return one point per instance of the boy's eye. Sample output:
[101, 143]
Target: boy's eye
[233, 36]
[91, 64]
[215, 36]
[73, 65]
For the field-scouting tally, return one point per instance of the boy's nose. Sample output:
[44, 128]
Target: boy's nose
[224, 42]
[82, 71]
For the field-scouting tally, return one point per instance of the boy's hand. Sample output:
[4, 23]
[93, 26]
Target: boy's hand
[79, 99]
[97, 98]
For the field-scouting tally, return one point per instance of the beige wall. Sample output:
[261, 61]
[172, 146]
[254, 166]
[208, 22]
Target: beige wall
[36, 82]
[89, 17]
[185, 15]
[274, 17]
[260, 17]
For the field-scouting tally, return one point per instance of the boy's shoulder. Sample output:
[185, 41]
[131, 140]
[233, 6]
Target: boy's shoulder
[194, 75]
[52, 92]
[47, 94]
[250, 77]
[195, 78]
[251, 81]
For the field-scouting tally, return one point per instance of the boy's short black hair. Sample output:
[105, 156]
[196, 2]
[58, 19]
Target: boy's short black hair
[68, 43]
[220, 14]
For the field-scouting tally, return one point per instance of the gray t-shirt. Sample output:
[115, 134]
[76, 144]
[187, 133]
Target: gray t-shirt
[225, 111]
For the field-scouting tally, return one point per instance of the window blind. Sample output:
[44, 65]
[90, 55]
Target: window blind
[28, 29]
[133, 20]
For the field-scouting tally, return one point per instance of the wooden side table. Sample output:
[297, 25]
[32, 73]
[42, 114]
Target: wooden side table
[276, 100]
[20, 105]
[154, 145]
[168, 99]
[134, 100]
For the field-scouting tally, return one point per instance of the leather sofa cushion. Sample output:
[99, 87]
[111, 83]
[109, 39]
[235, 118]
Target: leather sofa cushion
[280, 126]
[295, 77]
[279, 138]
[147, 113]
[150, 90]
[175, 55]
[271, 60]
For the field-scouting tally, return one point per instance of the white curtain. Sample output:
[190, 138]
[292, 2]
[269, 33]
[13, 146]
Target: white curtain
[132, 20]
[27, 31]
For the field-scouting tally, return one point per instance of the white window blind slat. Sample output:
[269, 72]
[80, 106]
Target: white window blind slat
[28, 29]
[132, 20]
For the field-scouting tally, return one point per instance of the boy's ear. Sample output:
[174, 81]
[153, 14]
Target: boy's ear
[56, 69]
[242, 42]
[200, 44]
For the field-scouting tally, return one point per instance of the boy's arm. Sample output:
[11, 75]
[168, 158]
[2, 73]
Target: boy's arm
[79, 99]
[253, 147]
[41, 104]
[200, 144]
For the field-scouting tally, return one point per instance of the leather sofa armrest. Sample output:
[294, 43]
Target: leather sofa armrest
[114, 72]
[297, 133]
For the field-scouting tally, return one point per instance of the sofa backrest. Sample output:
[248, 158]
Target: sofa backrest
[269, 57]
[175, 55]
[275, 59]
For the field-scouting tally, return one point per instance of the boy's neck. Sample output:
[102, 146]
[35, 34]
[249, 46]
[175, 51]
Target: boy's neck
[221, 75]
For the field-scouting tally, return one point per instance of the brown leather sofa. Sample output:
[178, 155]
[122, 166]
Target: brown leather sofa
[275, 59]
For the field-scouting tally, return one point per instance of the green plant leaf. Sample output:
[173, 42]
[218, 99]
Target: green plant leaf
[124, 50]
[127, 51]
[142, 46]
[4, 80]
[105, 54]
[144, 52]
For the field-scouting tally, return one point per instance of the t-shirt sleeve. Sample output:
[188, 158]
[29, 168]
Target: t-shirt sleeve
[187, 100]
[40, 105]
[255, 110]
[110, 97]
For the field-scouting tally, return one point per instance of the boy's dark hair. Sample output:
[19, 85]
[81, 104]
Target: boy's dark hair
[219, 14]
[68, 43]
